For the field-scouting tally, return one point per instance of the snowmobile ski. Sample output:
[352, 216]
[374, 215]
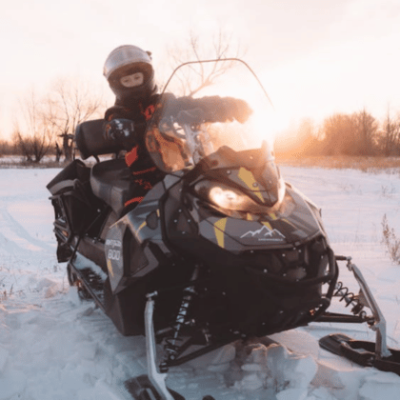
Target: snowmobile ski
[361, 352]
[367, 354]
[152, 386]
[141, 388]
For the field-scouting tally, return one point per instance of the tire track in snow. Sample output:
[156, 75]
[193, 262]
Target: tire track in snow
[14, 238]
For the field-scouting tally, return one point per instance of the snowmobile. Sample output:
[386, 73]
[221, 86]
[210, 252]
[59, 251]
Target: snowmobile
[221, 249]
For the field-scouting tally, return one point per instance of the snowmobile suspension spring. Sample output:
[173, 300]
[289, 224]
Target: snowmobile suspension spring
[350, 299]
[173, 342]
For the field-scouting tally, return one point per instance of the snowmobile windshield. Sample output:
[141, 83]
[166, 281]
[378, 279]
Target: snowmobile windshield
[206, 105]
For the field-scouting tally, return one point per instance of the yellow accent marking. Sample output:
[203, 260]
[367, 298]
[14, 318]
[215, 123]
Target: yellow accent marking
[268, 225]
[273, 216]
[219, 228]
[248, 178]
[141, 226]
[158, 213]
[249, 217]
[109, 267]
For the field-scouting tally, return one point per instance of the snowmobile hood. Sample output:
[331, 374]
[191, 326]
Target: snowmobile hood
[296, 223]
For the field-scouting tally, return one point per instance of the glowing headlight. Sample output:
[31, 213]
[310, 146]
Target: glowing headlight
[228, 198]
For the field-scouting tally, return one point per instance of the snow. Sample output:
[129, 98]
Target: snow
[53, 346]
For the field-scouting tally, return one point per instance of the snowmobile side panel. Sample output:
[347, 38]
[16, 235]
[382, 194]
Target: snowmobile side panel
[75, 170]
[127, 258]
[126, 249]
[76, 208]
[127, 244]
[93, 250]
[126, 309]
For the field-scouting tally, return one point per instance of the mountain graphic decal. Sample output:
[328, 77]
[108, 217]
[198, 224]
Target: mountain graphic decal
[266, 234]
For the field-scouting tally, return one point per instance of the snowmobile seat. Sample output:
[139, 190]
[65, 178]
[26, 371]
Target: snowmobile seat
[112, 182]
[90, 140]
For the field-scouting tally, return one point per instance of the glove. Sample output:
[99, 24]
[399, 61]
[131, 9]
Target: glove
[121, 131]
[237, 109]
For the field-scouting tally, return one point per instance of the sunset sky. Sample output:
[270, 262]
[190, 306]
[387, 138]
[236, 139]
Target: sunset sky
[315, 57]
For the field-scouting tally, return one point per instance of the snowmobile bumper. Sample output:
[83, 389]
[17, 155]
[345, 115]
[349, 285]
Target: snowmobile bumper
[361, 352]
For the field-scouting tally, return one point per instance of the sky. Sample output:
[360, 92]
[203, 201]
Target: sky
[314, 57]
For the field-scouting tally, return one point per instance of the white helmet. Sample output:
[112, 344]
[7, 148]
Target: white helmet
[129, 72]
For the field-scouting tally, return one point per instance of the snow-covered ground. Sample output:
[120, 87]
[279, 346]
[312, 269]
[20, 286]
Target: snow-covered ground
[53, 347]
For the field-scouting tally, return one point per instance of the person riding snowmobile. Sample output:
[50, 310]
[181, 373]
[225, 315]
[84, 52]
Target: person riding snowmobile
[130, 74]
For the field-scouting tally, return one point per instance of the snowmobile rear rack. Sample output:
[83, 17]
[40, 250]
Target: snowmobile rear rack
[364, 353]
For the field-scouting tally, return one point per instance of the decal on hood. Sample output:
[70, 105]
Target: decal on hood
[266, 234]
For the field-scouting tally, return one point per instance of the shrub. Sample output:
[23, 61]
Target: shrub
[391, 241]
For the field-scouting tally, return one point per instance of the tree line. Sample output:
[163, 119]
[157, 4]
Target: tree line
[45, 125]
[341, 134]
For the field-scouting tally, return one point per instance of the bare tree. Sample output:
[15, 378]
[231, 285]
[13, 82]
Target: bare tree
[194, 79]
[23, 144]
[6, 147]
[69, 103]
[366, 128]
[339, 135]
[33, 137]
[390, 136]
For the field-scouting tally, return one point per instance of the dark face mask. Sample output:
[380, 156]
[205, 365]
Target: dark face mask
[141, 72]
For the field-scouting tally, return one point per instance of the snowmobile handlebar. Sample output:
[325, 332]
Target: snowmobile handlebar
[190, 117]
[193, 116]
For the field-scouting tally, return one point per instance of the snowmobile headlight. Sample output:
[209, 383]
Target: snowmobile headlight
[227, 198]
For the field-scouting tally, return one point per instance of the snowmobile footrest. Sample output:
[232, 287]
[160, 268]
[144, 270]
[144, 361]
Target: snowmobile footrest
[140, 388]
[361, 352]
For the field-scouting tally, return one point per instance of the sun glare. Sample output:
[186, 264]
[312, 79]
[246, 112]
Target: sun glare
[266, 123]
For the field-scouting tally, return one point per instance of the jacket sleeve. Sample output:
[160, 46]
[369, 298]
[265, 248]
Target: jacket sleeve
[117, 112]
